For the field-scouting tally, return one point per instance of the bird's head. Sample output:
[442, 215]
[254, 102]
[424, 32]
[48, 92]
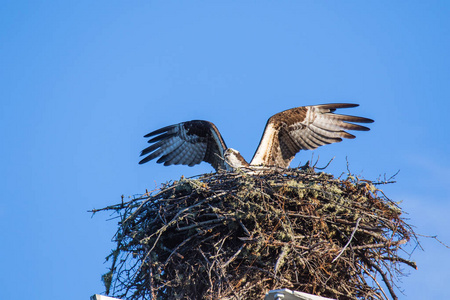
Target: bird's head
[234, 159]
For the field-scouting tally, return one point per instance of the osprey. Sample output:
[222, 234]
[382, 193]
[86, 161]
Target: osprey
[286, 133]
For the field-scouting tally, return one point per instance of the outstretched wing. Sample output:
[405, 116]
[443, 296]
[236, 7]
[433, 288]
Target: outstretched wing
[188, 143]
[301, 128]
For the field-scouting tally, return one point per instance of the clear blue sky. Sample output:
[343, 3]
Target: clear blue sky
[82, 81]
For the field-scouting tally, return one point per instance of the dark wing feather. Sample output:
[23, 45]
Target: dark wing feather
[187, 143]
[301, 128]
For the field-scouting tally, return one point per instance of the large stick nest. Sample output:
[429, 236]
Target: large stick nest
[237, 236]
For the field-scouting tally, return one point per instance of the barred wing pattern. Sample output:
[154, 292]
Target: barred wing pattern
[302, 128]
[187, 143]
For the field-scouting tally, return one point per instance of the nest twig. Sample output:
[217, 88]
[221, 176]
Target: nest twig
[237, 236]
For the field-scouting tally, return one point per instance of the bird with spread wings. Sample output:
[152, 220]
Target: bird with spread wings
[286, 133]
